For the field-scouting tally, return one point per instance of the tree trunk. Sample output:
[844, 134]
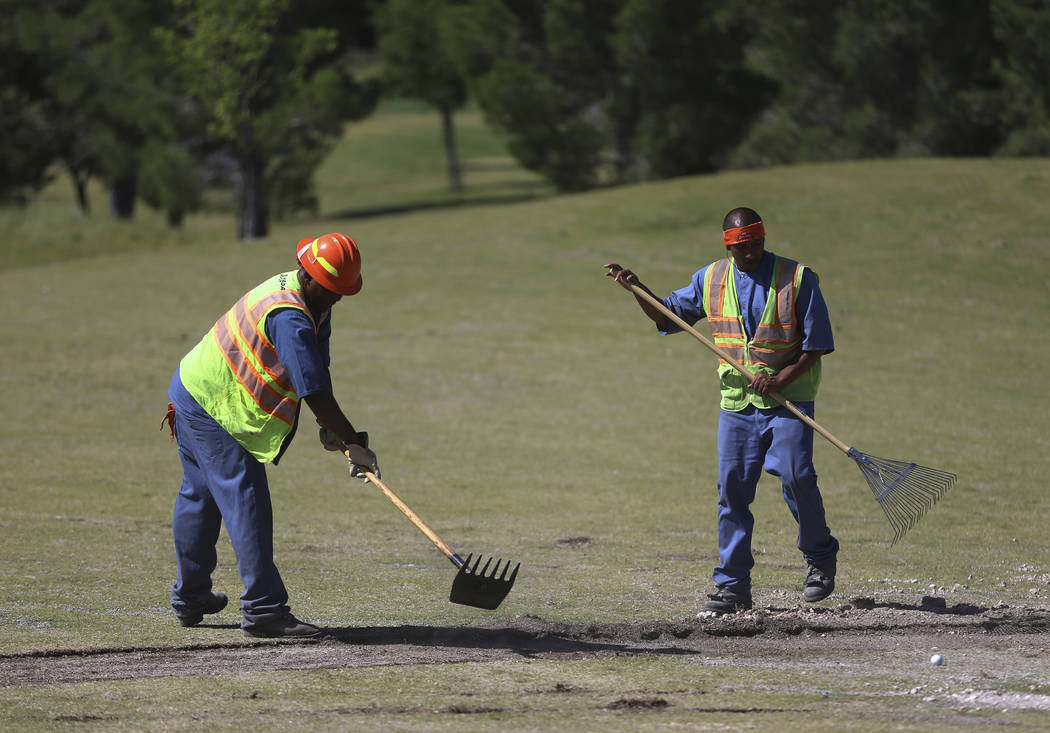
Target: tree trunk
[448, 133]
[253, 205]
[122, 198]
[175, 218]
[80, 188]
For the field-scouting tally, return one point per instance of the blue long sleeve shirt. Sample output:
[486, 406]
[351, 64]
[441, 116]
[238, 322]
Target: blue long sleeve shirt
[303, 354]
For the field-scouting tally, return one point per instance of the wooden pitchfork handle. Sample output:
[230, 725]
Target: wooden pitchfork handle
[656, 303]
[414, 518]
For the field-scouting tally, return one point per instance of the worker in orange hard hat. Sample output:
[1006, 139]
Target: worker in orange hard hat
[234, 406]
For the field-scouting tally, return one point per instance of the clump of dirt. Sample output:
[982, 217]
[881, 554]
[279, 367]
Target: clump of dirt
[574, 542]
[649, 703]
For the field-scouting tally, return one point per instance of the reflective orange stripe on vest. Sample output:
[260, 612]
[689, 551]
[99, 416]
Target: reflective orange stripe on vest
[777, 337]
[253, 359]
[727, 330]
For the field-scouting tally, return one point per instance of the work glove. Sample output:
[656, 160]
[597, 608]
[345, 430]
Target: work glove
[362, 459]
[330, 440]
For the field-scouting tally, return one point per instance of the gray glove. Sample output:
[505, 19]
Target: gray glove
[362, 459]
[330, 440]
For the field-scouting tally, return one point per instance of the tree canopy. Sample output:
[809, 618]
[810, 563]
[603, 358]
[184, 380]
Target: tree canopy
[160, 97]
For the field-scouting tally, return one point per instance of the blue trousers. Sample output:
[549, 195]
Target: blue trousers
[775, 440]
[221, 481]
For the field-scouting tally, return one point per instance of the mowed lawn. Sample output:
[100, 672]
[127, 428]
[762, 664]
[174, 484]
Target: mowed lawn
[521, 403]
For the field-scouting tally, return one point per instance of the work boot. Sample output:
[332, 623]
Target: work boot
[727, 601]
[285, 626]
[216, 603]
[819, 584]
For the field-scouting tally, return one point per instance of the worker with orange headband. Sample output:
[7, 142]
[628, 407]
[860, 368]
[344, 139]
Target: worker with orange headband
[768, 313]
[235, 401]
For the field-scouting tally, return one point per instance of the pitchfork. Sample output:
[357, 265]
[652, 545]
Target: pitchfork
[905, 491]
[471, 586]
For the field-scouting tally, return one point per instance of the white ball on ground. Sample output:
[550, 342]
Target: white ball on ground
[936, 659]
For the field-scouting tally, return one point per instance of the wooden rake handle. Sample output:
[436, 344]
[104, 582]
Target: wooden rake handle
[414, 518]
[656, 303]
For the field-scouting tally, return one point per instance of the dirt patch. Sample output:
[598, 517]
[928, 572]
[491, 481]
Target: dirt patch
[574, 542]
[863, 625]
[631, 703]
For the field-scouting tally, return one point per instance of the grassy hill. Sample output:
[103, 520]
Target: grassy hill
[518, 400]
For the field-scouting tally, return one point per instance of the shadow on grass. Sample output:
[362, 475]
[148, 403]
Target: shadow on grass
[929, 604]
[530, 192]
[520, 641]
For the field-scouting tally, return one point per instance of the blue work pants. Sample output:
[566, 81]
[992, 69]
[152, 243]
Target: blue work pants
[775, 440]
[221, 481]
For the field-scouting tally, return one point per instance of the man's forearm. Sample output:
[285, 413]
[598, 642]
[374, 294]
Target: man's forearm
[790, 373]
[329, 414]
[655, 315]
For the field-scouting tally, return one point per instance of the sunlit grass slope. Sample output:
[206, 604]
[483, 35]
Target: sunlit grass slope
[518, 399]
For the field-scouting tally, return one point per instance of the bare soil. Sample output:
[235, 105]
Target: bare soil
[861, 624]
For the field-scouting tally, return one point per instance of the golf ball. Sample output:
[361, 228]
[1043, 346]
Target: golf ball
[936, 659]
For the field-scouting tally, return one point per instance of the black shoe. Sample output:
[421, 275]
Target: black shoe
[286, 626]
[819, 584]
[727, 601]
[216, 603]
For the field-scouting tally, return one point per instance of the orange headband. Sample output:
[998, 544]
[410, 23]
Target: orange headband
[740, 235]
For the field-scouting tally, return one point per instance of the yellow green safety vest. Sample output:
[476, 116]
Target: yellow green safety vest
[776, 343]
[234, 373]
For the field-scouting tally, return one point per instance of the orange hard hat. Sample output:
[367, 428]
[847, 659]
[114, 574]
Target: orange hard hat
[333, 261]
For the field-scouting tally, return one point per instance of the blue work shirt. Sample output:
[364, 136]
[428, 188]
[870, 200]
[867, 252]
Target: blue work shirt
[752, 290]
[303, 354]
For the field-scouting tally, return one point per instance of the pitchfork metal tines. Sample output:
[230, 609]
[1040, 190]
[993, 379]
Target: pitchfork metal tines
[905, 491]
[472, 587]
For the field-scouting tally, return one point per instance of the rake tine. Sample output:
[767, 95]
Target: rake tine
[904, 491]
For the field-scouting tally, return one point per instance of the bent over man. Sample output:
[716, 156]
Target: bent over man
[768, 313]
[235, 401]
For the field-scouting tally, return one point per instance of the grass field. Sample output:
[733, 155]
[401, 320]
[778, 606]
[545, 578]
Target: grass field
[520, 403]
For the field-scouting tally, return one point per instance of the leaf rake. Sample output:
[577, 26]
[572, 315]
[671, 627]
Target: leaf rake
[905, 491]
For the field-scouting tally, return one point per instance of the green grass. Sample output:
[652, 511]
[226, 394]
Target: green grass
[640, 693]
[516, 398]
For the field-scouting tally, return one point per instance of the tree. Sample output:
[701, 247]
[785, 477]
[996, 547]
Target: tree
[46, 46]
[170, 179]
[873, 78]
[681, 68]
[26, 149]
[131, 103]
[270, 89]
[1023, 27]
[501, 49]
[98, 73]
[416, 64]
[593, 91]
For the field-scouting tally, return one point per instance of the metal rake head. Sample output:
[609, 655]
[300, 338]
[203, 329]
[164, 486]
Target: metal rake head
[905, 491]
[473, 587]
